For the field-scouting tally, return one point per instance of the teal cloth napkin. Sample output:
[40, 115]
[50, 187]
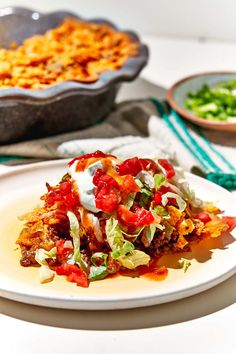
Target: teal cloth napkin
[210, 162]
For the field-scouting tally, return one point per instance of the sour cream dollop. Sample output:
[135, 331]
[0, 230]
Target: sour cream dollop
[84, 182]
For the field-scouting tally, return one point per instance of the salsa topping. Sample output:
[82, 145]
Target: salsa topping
[108, 217]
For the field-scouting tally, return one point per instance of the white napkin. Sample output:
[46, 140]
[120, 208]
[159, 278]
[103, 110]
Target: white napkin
[160, 142]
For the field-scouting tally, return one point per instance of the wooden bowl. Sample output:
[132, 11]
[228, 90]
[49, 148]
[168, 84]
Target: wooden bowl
[177, 95]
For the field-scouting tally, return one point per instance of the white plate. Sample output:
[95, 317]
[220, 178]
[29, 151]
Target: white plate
[20, 190]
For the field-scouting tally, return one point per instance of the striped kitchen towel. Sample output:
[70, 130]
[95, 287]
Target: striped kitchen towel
[143, 128]
[210, 159]
[169, 137]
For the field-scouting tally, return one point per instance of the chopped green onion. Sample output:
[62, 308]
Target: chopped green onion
[214, 103]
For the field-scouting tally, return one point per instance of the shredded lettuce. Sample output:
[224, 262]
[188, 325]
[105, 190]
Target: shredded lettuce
[135, 259]
[183, 185]
[123, 250]
[114, 234]
[174, 188]
[149, 232]
[161, 211]
[74, 233]
[45, 273]
[185, 264]
[146, 178]
[189, 195]
[115, 238]
[181, 203]
[159, 180]
[133, 235]
[157, 218]
[74, 225]
[97, 257]
[127, 247]
[97, 273]
[130, 200]
[41, 255]
[139, 183]
[99, 269]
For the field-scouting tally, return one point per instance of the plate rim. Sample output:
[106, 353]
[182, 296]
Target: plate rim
[114, 301]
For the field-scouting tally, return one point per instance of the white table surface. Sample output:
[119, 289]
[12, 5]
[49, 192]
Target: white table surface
[204, 323]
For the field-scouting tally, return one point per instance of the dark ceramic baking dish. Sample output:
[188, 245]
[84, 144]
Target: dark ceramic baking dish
[68, 106]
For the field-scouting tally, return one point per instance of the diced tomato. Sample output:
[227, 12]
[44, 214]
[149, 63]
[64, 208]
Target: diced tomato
[106, 194]
[157, 198]
[62, 251]
[133, 220]
[66, 269]
[49, 200]
[97, 175]
[71, 200]
[106, 200]
[80, 279]
[152, 166]
[134, 165]
[65, 188]
[230, 221]
[130, 167]
[53, 195]
[164, 189]
[62, 194]
[128, 186]
[101, 179]
[204, 217]
[96, 154]
[145, 163]
[73, 273]
[169, 169]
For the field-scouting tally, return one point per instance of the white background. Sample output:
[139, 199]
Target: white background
[213, 19]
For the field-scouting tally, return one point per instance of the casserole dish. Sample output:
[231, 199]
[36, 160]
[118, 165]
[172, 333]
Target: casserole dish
[62, 107]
